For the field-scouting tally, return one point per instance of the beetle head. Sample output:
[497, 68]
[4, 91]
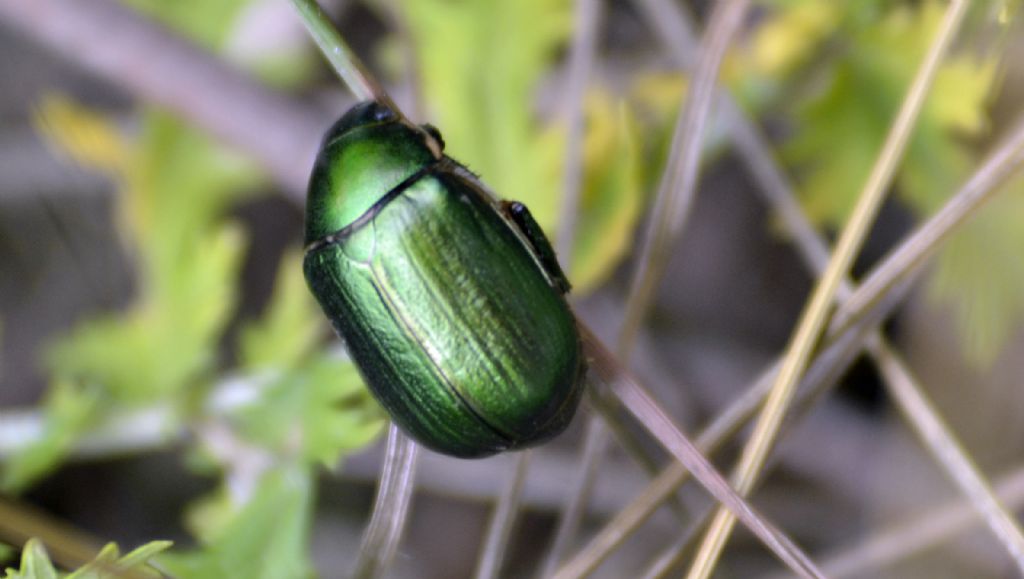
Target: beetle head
[361, 115]
[367, 153]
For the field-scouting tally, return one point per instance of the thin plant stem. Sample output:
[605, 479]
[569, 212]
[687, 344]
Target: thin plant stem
[595, 442]
[937, 438]
[891, 277]
[587, 21]
[390, 508]
[949, 453]
[937, 525]
[617, 422]
[934, 526]
[69, 546]
[835, 358]
[679, 180]
[837, 355]
[908, 395]
[925, 241]
[673, 27]
[503, 520]
[345, 62]
[628, 519]
[670, 556]
[815, 316]
[631, 395]
[900, 381]
[670, 22]
[675, 31]
[674, 200]
[581, 61]
[898, 272]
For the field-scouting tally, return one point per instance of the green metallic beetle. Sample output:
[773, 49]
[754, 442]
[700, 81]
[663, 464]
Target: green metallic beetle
[451, 302]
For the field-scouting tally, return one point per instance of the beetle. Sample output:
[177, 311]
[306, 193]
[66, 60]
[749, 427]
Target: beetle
[451, 302]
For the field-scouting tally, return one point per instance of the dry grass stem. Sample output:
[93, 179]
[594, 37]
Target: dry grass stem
[582, 53]
[675, 31]
[947, 450]
[813, 320]
[838, 353]
[934, 526]
[503, 520]
[68, 546]
[886, 285]
[595, 443]
[634, 398]
[679, 179]
[902, 263]
[675, 195]
[390, 508]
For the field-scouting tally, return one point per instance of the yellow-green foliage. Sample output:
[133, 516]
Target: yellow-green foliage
[302, 406]
[481, 62]
[613, 196]
[266, 538]
[851, 64]
[108, 564]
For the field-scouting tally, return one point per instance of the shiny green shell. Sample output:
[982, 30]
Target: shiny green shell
[451, 303]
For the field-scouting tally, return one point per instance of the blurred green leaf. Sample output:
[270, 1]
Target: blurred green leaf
[69, 411]
[339, 414]
[315, 412]
[108, 564]
[613, 192]
[841, 132]
[177, 187]
[35, 563]
[141, 555]
[267, 538]
[289, 329]
[980, 274]
[177, 192]
[480, 62]
[316, 409]
[789, 38]
[205, 22]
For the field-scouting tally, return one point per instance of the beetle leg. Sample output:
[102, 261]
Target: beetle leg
[519, 216]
